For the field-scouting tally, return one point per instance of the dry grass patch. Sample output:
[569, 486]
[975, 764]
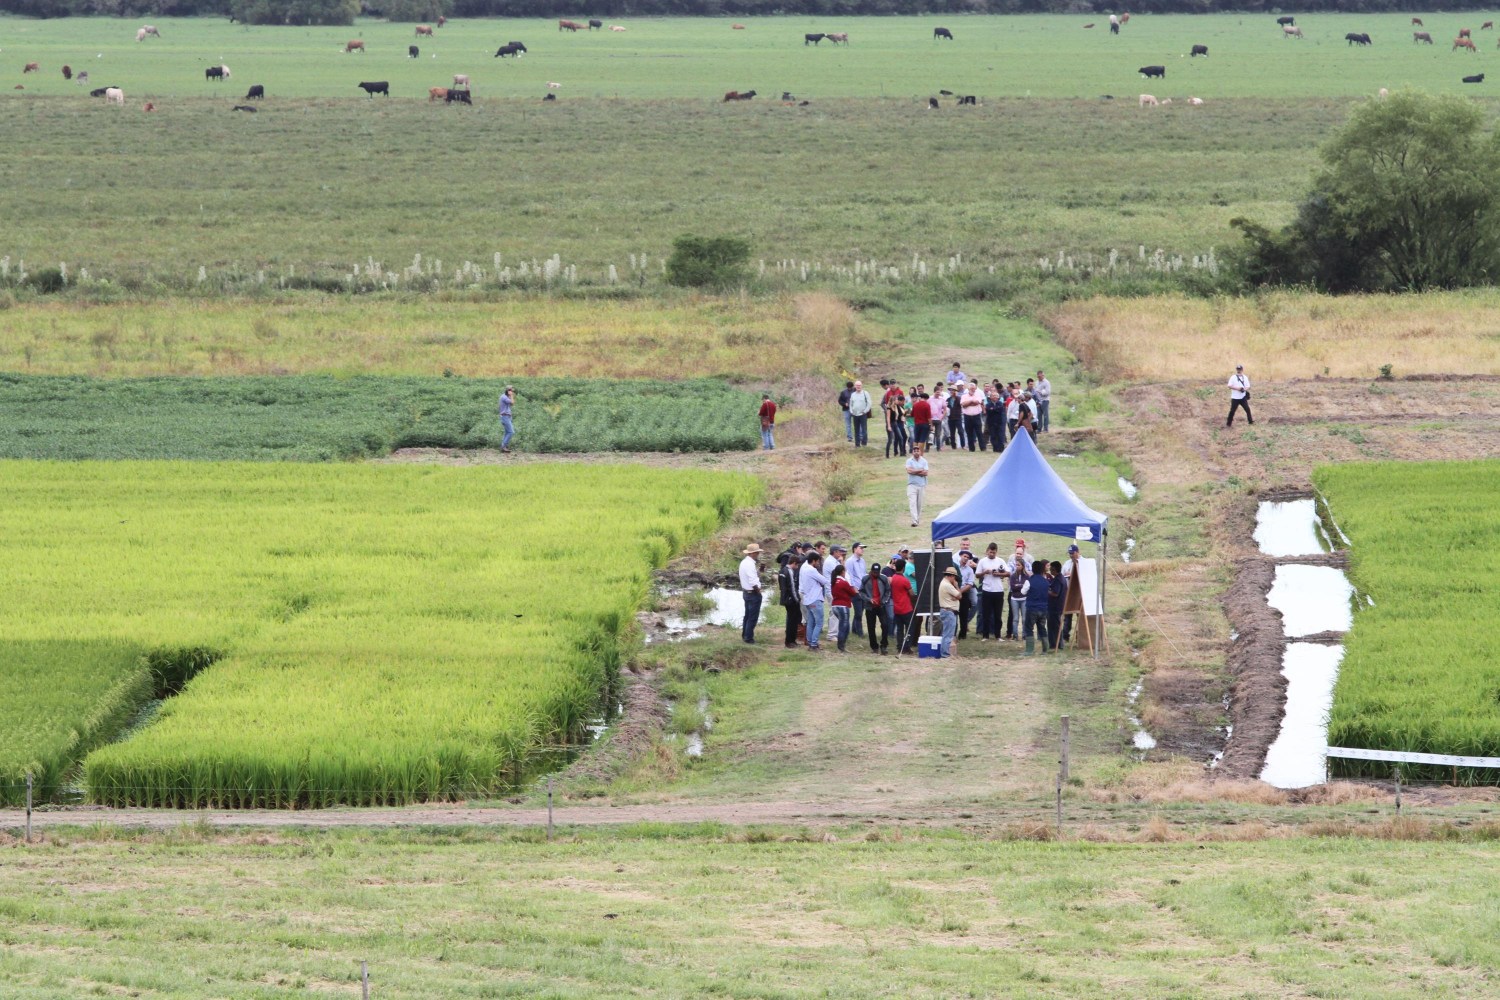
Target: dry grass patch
[1281, 335]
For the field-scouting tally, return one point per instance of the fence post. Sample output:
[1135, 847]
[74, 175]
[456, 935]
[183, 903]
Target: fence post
[549, 807]
[364, 980]
[28, 807]
[1059, 807]
[1397, 769]
[1067, 742]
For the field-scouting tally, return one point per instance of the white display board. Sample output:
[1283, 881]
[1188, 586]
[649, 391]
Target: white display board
[1088, 580]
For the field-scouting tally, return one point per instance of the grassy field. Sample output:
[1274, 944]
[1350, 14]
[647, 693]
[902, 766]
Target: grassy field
[316, 418]
[346, 673]
[676, 912]
[1282, 335]
[1422, 667]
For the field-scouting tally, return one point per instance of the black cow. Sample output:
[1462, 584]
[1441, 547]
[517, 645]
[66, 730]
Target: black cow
[967, 99]
[1476, 78]
[510, 49]
[942, 33]
[245, 107]
[99, 91]
[594, 22]
[1150, 71]
[412, 52]
[813, 38]
[550, 97]
[257, 91]
[932, 104]
[377, 87]
[1199, 50]
[214, 73]
[459, 97]
[1357, 38]
[1286, 22]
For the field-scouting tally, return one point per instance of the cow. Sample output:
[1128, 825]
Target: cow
[245, 107]
[461, 80]
[32, 68]
[739, 95]
[354, 46]
[67, 72]
[216, 73]
[1114, 24]
[81, 77]
[942, 33]
[423, 29]
[412, 52]
[1291, 31]
[737, 27]
[1286, 22]
[839, 37]
[459, 97]
[1416, 22]
[510, 49]
[1463, 32]
[376, 87]
[1384, 93]
[1195, 101]
[437, 94]
[1149, 71]
[813, 38]
[148, 106]
[100, 91]
[1199, 50]
[1357, 38]
[441, 20]
[114, 95]
[1476, 78]
[257, 92]
[568, 26]
[932, 104]
[146, 32]
[616, 27]
[1124, 19]
[1089, 25]
[969, 99]
[594, 22]
[549, 97]
[1148, 101]
[1421, 37]
[553, 85]
[1487, 26]
[1462, 43]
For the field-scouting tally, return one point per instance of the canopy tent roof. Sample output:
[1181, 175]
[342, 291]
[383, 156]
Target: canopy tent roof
[1020, 492]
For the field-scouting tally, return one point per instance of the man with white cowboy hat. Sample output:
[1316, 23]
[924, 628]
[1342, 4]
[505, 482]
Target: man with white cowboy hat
[949, 599]
[750, 584]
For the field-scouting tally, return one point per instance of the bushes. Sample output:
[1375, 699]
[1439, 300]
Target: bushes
[708, 262]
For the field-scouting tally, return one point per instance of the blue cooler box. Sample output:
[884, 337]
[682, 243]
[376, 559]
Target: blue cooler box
[929, 647]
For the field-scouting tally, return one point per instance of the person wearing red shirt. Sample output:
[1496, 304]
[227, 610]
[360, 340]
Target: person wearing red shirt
[902, 604]
[843, 605]
[767, 422]
[921, 418]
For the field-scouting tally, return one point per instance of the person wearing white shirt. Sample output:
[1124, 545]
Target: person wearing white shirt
[994, 580]
[811, 584]
[859, 409]
[1043, 396]
[1239, 394]
[750, 585]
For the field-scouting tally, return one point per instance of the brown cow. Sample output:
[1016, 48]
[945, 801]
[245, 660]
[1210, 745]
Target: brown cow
[355, 46]
[1463, 32]
[441, 20]
[1487, 26]
[1421, 36]
[31, 68]
[423, 29]
[437, 94]
[1124, 18]
[738, 27]
[67, 72]
[1462, 43]
[839, 37]
[736, 95]
[1416, 22]
[569, 26]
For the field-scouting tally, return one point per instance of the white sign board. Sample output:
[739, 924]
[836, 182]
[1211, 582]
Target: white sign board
[1086, 577]
[1083, 534]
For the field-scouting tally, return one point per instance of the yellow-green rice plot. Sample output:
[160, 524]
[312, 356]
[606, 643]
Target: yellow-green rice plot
[342, 634]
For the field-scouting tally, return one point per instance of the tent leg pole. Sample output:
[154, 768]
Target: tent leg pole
[1099, 588]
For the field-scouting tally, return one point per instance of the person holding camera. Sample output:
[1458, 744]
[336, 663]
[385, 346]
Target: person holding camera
[1239, 395]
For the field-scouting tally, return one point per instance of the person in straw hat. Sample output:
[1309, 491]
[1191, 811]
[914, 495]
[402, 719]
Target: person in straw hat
[950, 596]
[750, 584]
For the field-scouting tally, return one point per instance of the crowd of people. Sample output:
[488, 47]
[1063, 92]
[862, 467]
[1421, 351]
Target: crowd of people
[829, 591]
[959, 412]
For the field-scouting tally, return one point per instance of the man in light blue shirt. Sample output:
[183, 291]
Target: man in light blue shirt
[916, 482]
[856, 570]
[810, 587]
[1042, 395]
[507, 408]
[956, 375]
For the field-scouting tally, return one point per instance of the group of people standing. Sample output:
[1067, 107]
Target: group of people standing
[959, 412]
[830, 590]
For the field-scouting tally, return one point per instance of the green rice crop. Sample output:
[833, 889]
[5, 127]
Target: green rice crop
[1421, 671]
[388, 634]
[321, 418]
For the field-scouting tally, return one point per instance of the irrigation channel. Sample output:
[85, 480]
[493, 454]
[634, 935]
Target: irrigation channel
[1314, 601]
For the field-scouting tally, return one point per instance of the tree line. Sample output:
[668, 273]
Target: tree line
[344, 11]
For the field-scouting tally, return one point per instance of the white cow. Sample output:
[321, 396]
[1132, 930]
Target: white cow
[114, 95]
[460, 79]
[1195, 100]
[616, 27]
[149, 29]
[1290, 31]
[1147, 101]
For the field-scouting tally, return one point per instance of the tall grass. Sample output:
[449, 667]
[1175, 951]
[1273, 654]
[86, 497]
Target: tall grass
[1422, 667]
[389, 634]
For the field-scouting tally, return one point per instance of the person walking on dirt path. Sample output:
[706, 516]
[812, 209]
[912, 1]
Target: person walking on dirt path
[1239, 395]
[857, 570]
[916, 483]
[767, 422]
[843, 605]
[811, 585]
[1036, 607]
[949, 598]
[844, 405]
[786, 580]
[994, 578]
[507, 417]
[1043, 395]
[875, 594]
[859, 410]
[902, 604]
[750, 586]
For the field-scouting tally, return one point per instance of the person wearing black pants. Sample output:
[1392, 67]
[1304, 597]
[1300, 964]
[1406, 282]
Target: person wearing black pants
[1239, 395]
[994, 419]
[877, 602]
[786, 581]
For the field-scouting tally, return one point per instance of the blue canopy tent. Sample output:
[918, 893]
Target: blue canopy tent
[1020, 492]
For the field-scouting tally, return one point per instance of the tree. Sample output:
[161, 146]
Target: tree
[1408, 198]
[701, 261]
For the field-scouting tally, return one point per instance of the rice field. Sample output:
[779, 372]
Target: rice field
[340, 634]
[1421, 670]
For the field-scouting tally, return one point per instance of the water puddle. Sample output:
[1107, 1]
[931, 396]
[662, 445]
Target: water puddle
[1142, 740]
[1298, 757]
[1127, 487]
[1063, 454]
[1289, 528]
[694, 746]
[1312, 599]
[727, 610]
[1129, 548]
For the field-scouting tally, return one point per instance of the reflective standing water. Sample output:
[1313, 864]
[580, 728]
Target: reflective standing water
[1297, 758]
[1288, 528]
[1312, 599]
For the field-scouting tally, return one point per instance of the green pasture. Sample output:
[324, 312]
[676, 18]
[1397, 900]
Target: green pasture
[382, 634]
[311, 418]
[1035, 56]
[1422, 667]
